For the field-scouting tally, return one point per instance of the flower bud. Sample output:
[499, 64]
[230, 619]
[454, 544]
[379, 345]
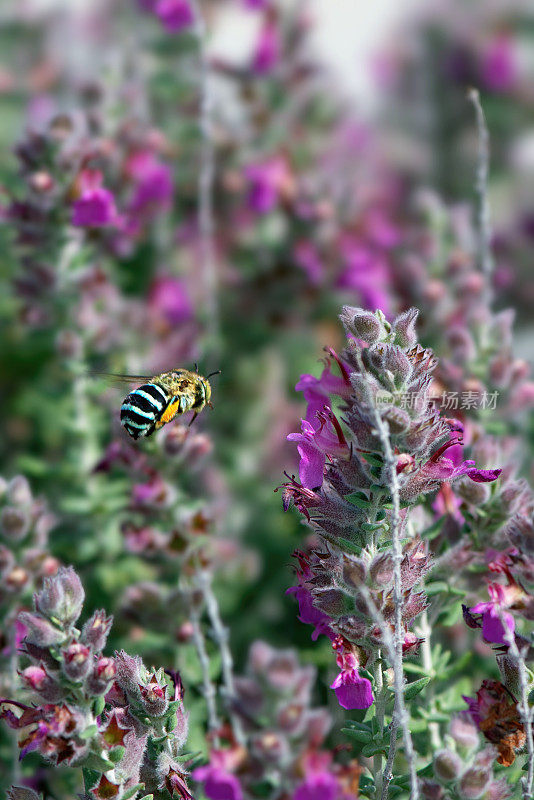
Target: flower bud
[62, 597]
[129, 671]
[40, 631]
[41, 181]
[397, 418]
[22, 793]
[447, 765]
[381, 569]
[474, 493]
[509, 670]
[14, 523]
[154, 698]
[95, 631]
[19, 492]
[464, 731]
[36, 678]
[61, 127]
[398, 364]
[404, 328]
[474, 782]
[102, 676]
[353, 571]
[430, 790]
[270, 748]
[77, 662]
[175, 439]
[462, 344]
[362, 324]
[16, 579]
[331, 601]
[185, 632]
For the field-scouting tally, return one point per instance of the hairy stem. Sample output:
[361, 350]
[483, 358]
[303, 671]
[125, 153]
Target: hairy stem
[525, 711]
[485, 257]
[209, 688]
[400, 715]
[220, 634]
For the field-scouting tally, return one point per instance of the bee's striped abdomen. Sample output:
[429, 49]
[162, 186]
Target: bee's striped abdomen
[142, 408]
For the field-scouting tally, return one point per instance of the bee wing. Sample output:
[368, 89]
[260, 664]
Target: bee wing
[117, 376]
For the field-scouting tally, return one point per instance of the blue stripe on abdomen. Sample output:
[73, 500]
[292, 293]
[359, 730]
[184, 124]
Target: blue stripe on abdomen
[137, 410]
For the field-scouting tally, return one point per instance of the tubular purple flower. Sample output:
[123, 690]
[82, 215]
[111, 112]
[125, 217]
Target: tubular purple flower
[497, 623]
[175, 15]
[315, 443]
[267, 51]
[219, 782]
[352, 691]
[95, 207]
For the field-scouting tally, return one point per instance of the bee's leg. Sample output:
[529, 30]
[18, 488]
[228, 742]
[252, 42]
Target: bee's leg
[195, 415]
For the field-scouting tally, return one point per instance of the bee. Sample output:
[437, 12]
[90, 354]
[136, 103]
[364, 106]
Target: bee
[158, 400]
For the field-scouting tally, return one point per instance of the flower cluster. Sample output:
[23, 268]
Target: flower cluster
[89, 709]
[464, 767]
[284, 745]
[345, 490]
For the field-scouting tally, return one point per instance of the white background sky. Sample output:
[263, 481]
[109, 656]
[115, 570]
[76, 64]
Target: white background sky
[346, 33]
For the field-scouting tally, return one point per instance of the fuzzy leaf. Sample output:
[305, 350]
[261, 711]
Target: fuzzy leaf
[358, 499]
[132, 791]
[413, 689]
[348, 546]
[373, 749]
[116, 754]
[89, 732]
[99, 705]
[90, 778]
[357, 735]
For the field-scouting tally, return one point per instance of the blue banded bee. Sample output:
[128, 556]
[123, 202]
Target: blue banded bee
[161, 398]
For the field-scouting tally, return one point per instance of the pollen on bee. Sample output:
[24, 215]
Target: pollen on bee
[170, 412]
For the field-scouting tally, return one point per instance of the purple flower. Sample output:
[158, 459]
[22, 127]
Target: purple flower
[367, 273]
[441, 467]
[174, 14]
[308, 259]
[267, 51]
[219, 783]
[256, 5]
[317, 391]
[153, 184]
[315, 443]
[95, 207]
[499, 69]
[308, 614]
[318, 786]
[494, 613]
[168, 300]
[266, 181]
[351, 690]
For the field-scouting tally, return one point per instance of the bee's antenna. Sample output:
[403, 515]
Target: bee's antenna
[217, 372]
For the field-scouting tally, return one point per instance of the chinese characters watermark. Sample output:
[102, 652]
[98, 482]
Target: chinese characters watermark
[448, 401]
